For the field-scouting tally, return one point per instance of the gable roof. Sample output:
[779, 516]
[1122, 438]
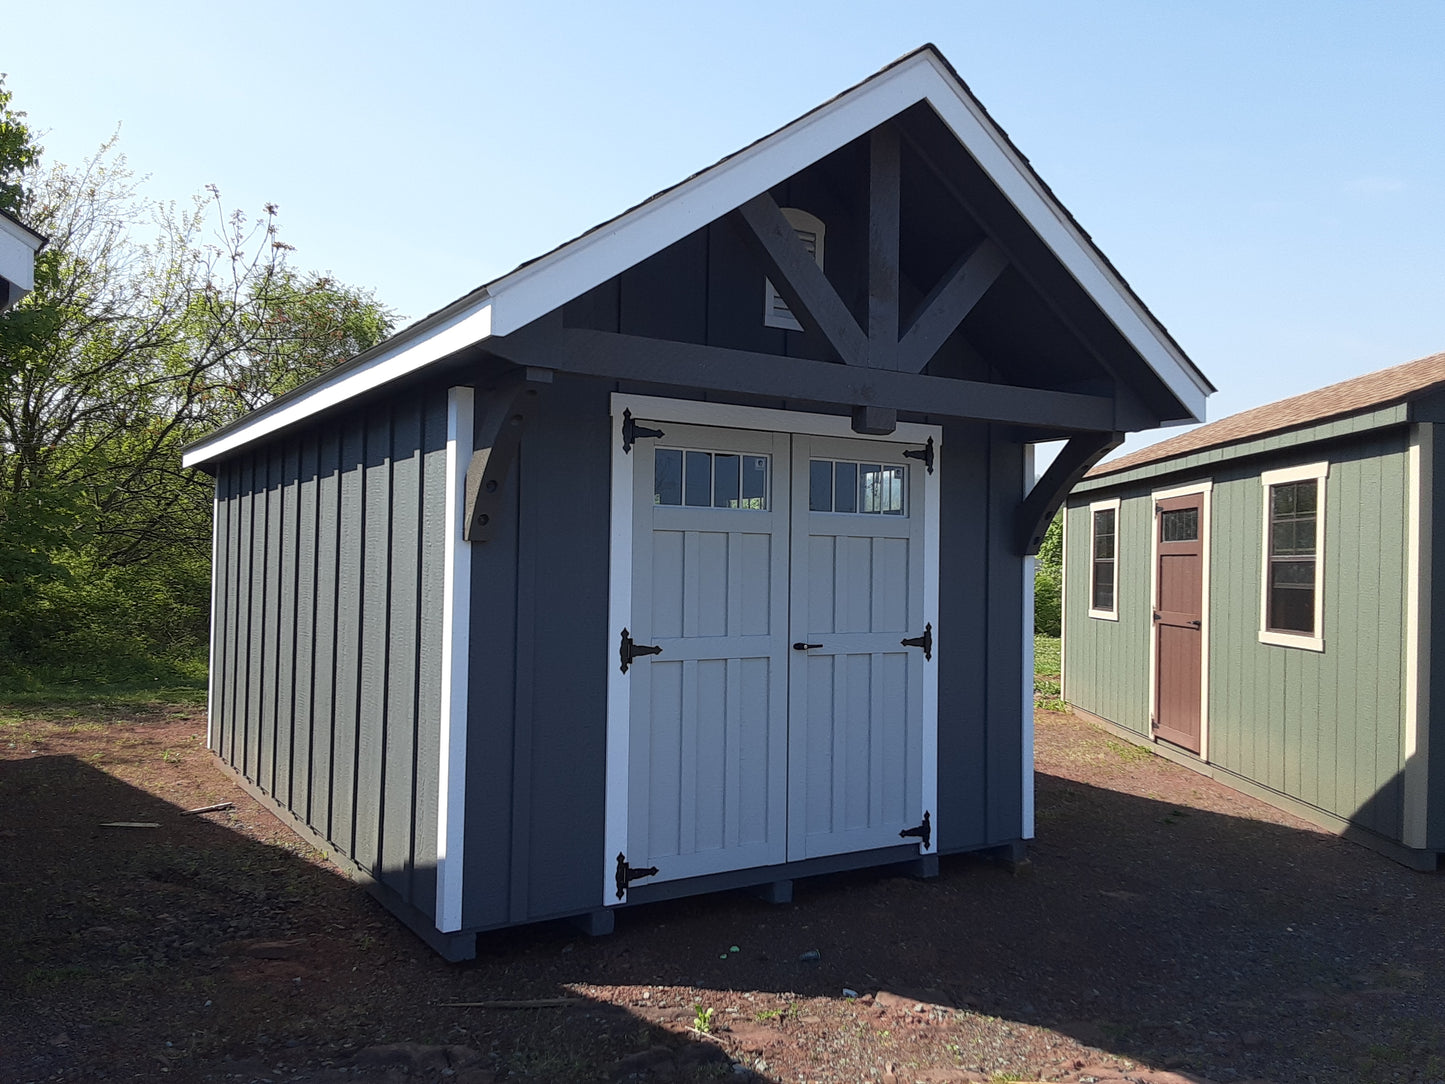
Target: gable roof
[1397, 384]
[539, 286]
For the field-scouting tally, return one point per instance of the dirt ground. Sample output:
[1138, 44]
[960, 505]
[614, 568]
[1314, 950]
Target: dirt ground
[1167, 930]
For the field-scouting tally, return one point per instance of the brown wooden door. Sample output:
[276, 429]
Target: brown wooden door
[1179, 619]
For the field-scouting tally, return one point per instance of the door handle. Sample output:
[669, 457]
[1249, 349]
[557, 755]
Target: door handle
[800, 646]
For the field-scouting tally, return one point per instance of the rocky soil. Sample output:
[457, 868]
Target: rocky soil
[1166, 931]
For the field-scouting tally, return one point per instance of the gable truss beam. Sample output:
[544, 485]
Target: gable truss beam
[613, 356]
[1071, 464]
[797, 276]
[946, 305]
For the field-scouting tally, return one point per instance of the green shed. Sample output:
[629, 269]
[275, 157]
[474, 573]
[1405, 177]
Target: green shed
[1254, 599]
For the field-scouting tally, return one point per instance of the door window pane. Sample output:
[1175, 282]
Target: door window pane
[697, 479]
[667, 476]
[845, 487]
[820, 486]
[725, 480]
[1179, 525]
[755, 482]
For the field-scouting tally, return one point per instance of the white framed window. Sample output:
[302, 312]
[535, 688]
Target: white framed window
[1291, 588]
[1104, 560]
[810, 231]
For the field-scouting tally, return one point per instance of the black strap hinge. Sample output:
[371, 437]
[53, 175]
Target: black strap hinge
[629, 651]
[922, 832]
[925, 453]
[632, 432]
[626, 874]
[925, 641]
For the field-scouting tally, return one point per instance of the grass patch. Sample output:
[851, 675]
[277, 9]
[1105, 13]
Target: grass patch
[117, 684]
[1046, 656]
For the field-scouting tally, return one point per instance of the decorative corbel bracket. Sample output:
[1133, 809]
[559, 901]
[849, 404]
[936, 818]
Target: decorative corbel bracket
[1071, 464]
[510, 406]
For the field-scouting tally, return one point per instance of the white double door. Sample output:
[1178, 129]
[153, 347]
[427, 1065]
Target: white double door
[783, 718]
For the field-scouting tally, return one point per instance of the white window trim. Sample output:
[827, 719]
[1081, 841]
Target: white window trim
[1318, 472]
[773, 316]
[1104, 506]
[1205, 491]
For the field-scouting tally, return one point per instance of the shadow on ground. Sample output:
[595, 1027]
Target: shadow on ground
[1153, 931]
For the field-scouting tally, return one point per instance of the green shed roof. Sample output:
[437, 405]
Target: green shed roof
[1364, 396]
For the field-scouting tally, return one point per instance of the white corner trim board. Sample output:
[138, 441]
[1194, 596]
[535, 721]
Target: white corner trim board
[455, 650]
[1419, 589]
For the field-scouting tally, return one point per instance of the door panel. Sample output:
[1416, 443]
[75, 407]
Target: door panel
[708, 734]
[1179, 620]
[855, 734]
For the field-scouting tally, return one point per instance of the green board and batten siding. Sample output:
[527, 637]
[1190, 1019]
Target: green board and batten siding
[1323, 728]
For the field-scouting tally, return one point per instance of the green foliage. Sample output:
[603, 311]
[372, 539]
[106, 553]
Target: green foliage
[149, 326]
[17, 153]
[1049, 580]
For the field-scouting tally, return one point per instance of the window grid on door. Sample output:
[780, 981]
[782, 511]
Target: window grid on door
[692, 478]
[859, 488]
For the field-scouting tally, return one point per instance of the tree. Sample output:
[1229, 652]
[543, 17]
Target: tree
[1049, 580]
[17, 153]
[149, 326]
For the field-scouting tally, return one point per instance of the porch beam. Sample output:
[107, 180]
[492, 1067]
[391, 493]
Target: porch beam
[797, 276]
[614, 356]
[951, 299]
[1073, 461]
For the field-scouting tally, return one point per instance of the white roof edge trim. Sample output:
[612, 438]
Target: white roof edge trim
[468, 326]
[1050, 221]
[18, 246]
[593, 258]
[531, 291]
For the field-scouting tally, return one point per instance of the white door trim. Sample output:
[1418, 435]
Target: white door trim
[1205, 491]
[619, 597]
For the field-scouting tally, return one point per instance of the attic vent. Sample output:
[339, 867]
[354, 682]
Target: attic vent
[810, 231]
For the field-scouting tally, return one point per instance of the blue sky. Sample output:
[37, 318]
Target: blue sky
[1268, 176]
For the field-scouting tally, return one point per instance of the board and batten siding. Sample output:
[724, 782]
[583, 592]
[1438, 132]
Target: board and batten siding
[1324, 728]
[327, 655]
[1107, 662]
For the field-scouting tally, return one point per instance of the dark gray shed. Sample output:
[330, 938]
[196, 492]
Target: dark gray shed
[694, 554]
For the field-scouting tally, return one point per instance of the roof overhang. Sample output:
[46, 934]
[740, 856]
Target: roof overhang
[531, 291]
[18, 246]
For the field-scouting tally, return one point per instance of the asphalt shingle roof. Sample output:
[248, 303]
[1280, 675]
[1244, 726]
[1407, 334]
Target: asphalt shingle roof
[1373, 390]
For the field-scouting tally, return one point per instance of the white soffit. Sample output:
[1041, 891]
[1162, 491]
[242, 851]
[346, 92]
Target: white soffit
[535, 289]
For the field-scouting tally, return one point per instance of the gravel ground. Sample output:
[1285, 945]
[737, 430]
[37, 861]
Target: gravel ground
[1166, 930]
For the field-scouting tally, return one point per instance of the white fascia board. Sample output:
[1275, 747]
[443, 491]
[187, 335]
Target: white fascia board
[469, 325]
[535, 290]
[1051, 222]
